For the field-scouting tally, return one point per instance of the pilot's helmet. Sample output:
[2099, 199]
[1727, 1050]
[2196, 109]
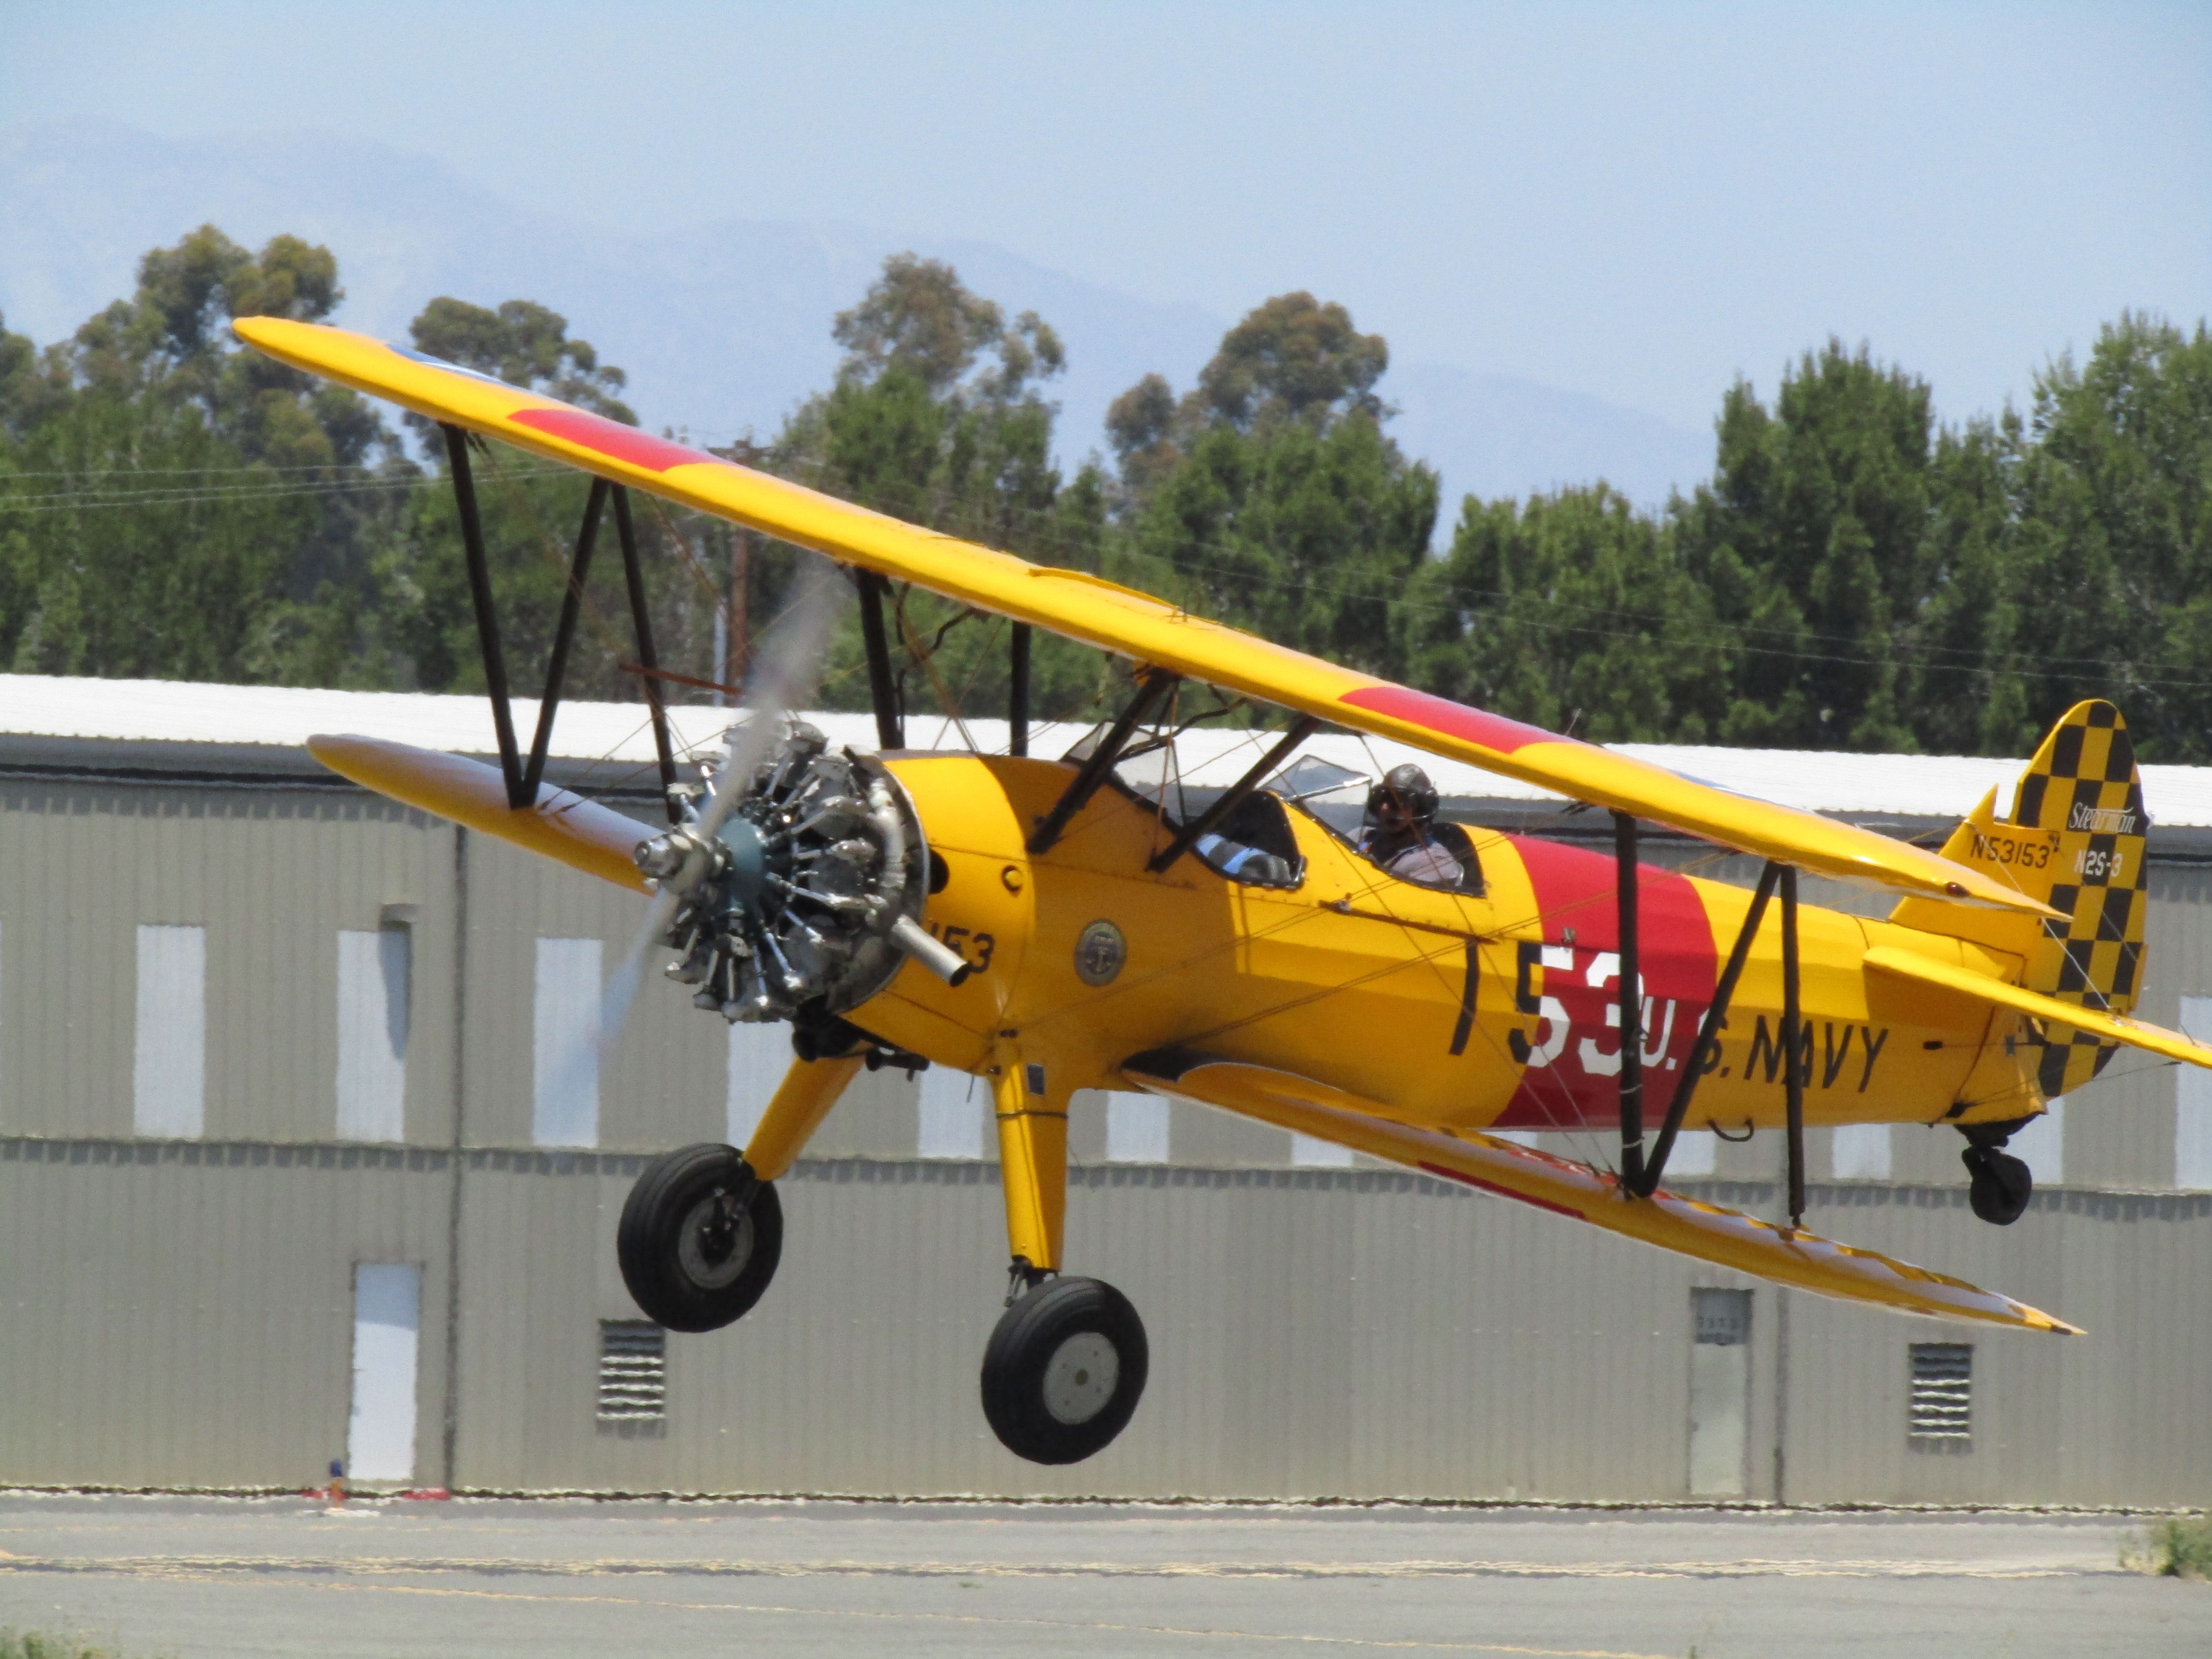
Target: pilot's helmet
[1410, 787]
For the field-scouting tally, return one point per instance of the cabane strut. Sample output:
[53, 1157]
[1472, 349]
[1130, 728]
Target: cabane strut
[883, 689]
[1154, 686]
[1234, 796]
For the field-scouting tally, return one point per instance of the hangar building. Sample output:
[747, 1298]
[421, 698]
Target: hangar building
[289, 1173]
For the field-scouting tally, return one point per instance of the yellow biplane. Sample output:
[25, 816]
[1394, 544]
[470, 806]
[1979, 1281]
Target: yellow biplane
[1045, 925]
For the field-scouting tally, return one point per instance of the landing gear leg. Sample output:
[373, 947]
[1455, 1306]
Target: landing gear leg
[1033, 1163]
[1065, 1366]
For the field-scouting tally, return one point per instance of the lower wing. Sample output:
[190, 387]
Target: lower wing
[1706, 1231]
[582, 834]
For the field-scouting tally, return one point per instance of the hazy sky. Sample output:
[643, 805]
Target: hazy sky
[1634, 201]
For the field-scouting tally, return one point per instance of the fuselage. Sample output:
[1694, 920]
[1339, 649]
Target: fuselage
[1451, 1009]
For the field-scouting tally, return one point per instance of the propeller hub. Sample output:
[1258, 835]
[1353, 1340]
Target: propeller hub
[746, 860]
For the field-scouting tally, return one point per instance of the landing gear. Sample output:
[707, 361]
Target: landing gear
[1064, 1370]
[1066, 1364]
[699, 1238]
[2001, 1185]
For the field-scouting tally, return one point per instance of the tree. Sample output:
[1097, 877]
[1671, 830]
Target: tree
[1294, 358]
[1572, 612]
[918, 319]
[525, 344]
[1269, 497]
[2111, 569]
[937, 416]
[28, 388]
[252, 498]
[1812, 540]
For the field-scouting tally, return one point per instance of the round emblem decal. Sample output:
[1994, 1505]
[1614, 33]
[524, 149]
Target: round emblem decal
[1100, 953]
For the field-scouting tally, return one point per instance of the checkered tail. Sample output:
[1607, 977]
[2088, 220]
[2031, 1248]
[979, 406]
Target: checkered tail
[2083, 797]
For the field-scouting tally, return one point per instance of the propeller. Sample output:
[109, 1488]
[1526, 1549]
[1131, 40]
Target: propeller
[783, 677]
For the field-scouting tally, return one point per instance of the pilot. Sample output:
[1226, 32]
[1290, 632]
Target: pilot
[1399, 833]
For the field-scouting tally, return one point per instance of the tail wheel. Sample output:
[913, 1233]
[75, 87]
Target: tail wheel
[2001, 1185]
[1064, 1370]
[699, 1238]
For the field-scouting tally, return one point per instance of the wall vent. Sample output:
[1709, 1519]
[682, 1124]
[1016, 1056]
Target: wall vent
[1943, 1392]
[633, 1371]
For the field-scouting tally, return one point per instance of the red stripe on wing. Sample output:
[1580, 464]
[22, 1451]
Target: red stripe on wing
[1502, 1192]
[1452, 720]
[613, 439]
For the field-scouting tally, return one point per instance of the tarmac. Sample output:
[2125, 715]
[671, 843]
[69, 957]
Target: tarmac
[188, 1577]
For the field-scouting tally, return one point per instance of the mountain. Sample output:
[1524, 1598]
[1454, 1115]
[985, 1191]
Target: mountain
[722, 328]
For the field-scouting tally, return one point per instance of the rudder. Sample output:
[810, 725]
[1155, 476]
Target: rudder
[2074, 839]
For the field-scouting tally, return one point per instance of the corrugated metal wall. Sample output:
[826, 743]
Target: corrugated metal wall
[181, 1314]
[178, 1313]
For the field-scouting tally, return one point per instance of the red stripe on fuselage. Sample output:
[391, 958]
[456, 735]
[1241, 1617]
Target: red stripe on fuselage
[613, 439]
[1566, 1085]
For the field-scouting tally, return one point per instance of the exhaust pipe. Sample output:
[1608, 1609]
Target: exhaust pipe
[912, 939]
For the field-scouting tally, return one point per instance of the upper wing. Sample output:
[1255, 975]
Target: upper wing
[1706, 1231]
[2113, 1028]
[1101, 613]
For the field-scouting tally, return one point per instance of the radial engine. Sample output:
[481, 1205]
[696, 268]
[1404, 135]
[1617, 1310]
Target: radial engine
[806, 899]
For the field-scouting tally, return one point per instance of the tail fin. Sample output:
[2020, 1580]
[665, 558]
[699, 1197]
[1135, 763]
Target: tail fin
[2074, 840]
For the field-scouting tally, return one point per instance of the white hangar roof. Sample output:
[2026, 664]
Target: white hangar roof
[165, 726]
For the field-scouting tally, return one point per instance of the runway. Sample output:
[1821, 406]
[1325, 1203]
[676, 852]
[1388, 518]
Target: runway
[395, 1579]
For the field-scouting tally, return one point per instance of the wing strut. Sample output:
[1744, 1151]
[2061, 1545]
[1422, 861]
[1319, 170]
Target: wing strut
[564, 634]
[656, 704]
[1709, 1034]
[1793, 1042]
[1155, 686]
[495, 660]
[1631, 1005]
[522, 778]
[1636, 1177]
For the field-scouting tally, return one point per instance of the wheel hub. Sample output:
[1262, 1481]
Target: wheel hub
[714, 1244]
[1080, 1377]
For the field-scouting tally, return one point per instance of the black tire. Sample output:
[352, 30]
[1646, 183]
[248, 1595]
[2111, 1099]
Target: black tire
[1064, 1370]
[2001, 1185]
[686, 1271]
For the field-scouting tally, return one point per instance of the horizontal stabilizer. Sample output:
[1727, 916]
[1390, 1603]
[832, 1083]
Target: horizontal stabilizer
[1086, 607]
[2113, 1028]
[1706, 1231]
[582, 834]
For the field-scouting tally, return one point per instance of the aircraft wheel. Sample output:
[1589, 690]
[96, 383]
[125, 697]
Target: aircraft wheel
[699, 1238]
[1064, 1370]
[2001, 1185]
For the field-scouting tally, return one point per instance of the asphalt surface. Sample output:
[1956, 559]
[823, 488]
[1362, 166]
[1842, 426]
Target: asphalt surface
[184, 1576]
